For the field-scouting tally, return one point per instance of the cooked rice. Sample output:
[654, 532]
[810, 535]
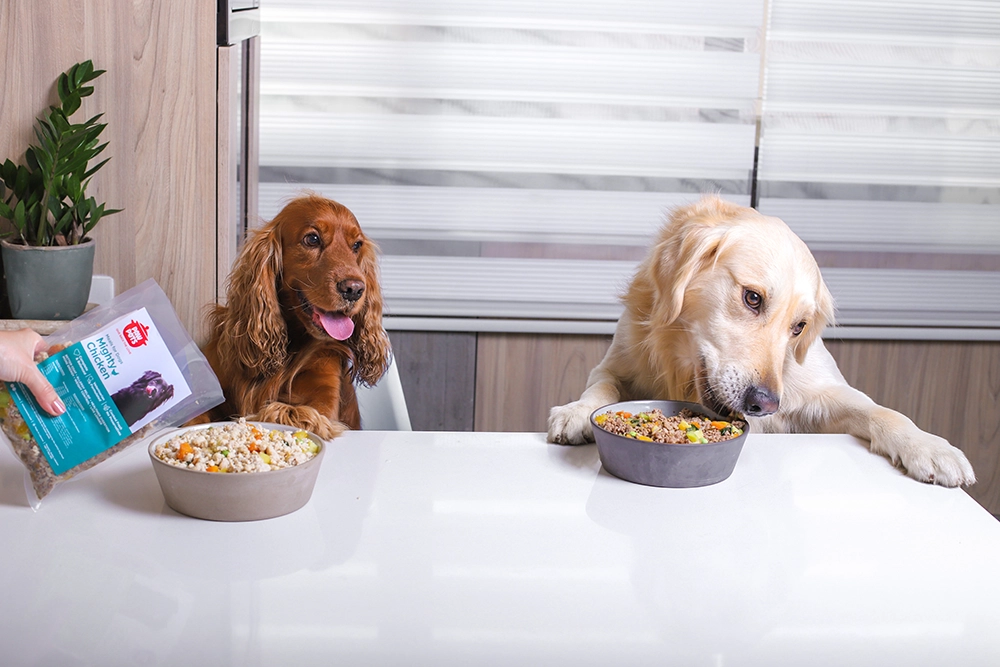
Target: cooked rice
[237, 447]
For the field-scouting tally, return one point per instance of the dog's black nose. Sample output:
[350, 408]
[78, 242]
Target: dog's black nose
[760, 402]
[351, 290]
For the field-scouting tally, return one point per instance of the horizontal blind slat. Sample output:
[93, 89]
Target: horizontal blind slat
[589, 290]
[473, 71]
[510, 144]
[493, 214]
[623, 14]
[860, 226]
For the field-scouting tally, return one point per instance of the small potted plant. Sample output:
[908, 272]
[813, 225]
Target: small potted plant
[48, 258]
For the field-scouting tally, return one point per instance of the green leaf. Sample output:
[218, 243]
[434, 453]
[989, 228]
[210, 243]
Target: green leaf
[9, 172]
[91, 121]
[21, 182]
[93, 171]
[54, 204]
[5, 211]
[45, 165]
[97, 215]
[91, 73]
[63, 86]
[29, 157]
[73, 187]
[60, 122]
[64, 223]
[19, 216]
[76, 74]
[48, 145]
[71, 103]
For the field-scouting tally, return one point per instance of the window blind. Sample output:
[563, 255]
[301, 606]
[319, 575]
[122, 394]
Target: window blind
[513, 160]
[880, 146]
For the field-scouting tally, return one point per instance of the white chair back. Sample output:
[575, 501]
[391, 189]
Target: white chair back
[383, 407]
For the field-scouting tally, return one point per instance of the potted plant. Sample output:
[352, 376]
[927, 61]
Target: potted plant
[48, 258]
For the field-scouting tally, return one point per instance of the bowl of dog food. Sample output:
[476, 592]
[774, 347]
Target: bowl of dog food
[667, 443]
[236, 471]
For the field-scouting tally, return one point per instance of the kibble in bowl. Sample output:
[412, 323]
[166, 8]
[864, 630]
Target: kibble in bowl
[667, 443]
[236, 471]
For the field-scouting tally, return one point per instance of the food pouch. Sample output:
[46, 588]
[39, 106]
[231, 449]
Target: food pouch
[123, 370]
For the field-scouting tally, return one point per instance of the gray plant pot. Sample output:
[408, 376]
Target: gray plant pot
[48, 283]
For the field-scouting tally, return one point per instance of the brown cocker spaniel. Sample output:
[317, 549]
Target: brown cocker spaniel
[302, 321]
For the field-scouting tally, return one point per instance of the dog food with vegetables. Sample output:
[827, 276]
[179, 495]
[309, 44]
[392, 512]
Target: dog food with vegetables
[684, 428]
[22, 441]
[237, 447]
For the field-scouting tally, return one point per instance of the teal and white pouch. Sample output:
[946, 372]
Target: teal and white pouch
[123, 370]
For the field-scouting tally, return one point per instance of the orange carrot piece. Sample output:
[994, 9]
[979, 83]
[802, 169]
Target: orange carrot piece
[184, 450]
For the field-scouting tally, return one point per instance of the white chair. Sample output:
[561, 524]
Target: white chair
[383, 407]
[102, 290]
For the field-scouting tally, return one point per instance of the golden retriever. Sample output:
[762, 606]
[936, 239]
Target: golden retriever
[727, 310]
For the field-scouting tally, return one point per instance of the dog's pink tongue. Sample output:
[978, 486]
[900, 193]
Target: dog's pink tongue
[338, 325]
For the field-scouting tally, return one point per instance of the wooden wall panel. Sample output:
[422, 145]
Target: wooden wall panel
[438, 374]
[520, 376]
[158, 99]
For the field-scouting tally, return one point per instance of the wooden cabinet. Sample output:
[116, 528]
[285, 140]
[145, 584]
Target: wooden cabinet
[159, 101]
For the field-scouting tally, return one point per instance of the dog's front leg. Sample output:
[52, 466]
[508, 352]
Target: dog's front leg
[570, 424]
[300, 416]
[311, 401]
[922, 455]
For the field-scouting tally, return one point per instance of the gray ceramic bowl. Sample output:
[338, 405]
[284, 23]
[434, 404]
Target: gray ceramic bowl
[661, 464]
[243, 496]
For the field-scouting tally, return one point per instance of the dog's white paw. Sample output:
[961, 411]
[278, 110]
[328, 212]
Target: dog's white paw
[929, 458]
[570, 424]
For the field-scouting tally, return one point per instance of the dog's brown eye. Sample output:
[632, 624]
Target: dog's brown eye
[797, 329]
[357, 245]
[311, 240]
[752, 300]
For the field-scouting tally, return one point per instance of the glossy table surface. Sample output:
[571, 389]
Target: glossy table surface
[499, 549]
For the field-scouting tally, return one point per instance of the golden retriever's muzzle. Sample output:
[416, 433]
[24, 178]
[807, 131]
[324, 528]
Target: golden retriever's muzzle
[729, 398]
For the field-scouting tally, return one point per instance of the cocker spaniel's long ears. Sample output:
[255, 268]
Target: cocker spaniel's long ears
[255, 334]
[372, 349]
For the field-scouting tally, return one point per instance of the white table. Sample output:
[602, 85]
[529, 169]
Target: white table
[499, 549]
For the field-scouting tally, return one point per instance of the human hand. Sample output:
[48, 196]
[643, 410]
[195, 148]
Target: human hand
[17, 364]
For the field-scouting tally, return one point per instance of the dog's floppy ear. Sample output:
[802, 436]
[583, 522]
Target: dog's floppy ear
[253, 331]
[372, 349]
[689, 242]
[823, 316]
